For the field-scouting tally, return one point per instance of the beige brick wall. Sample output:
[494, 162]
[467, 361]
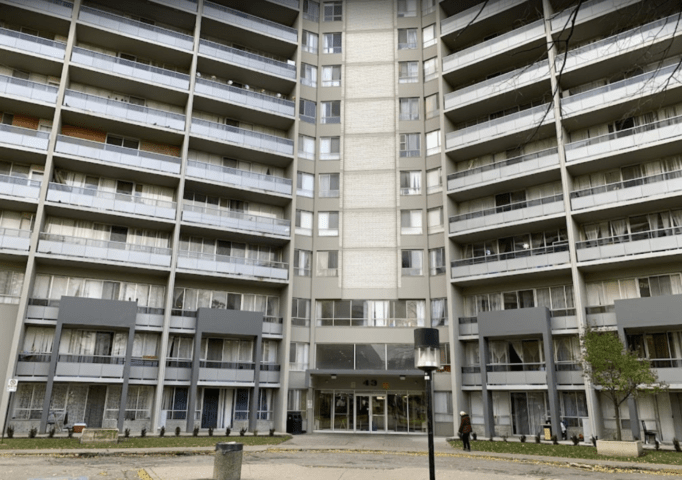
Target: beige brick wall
[370, 46]
[369, 152]
[369, 14]
[370, 269]
[363, 189]
[370, 81]
[369, 228]
[370, 116]
[84, 133]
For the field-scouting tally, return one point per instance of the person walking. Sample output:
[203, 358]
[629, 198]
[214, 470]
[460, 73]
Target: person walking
[465, 430]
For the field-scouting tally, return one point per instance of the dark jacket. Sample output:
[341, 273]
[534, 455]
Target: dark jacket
[465, 425]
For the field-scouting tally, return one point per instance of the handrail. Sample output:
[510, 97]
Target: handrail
[14, 232]
[235, 260]
[27, 83]
[507, 208]
[516, 367]
[27, 182]
[130, 247]
[41, 5]
[509, 255]
[124, 197]
[136, 23]
[130, 63]
[528, 112]
[120, 104]
[635, 182]
[99, 359]
[504, 163]
[118, 149]
[629, 237]
[248, 93]
[290, 69]
[284, 30]
[247, 133]
[227, 365]
[32, 38]
[221, 212]
[240, 173]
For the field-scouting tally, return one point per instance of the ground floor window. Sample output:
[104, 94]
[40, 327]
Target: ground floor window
[175, 402]
[220, 407]
[29, 401]
[139, 402]
[573, 408]
[265, 404]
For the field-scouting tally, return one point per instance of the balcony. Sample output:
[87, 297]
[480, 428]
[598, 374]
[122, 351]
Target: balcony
[475, 14]
[269, 373]
[33, 364]
[471, 376]
[242, 137]
[239, 178]
[503, 170]
[54, 7]
[24, 137]
[104, 250]
[513, 212]
[222, 264]
[114, 154]
[149, 317]
[234, 220]
[90, 366]
[509, 124]
[588, 11]
[569, 374]
[32, 44]
[20, 187]
[468, 326]
[185, 320]
[629, 244]
[42, 309]
[601, 317]
[144, 369]
[16, 87]
[111, 201]
[178, 370]
[563, 319]
[511, 262]
[517, 374]
[273, 326]
[669, 369]
[125, 111]
[663, 184]
[244, 59]
[287, 3]
[250, 22]
[130, 69]
[495, 46]
[189, 5]
[136, 29]
[14, 239]
[247, 98]
[227, 372]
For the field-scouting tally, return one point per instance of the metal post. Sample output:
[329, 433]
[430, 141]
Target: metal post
[429, 418]
[4, 424]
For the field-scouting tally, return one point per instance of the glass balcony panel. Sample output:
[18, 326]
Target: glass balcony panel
[56, 7]
[26, 89]
[287, 3]
[223, 218]
[273, 326]
[241, 96]
[588, 11]
[19, 187]
[190, 5]
[240, 136]
[248, 60]
[239, 178]
[475, 14]
[512, 261]
[630, 244]
[251, 22]
[233, 265]
[14, 239]
[31, 43]
[24, 137]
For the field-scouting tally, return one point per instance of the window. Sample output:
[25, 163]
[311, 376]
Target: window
[296, 401]
[302, 263]
[330, 112]
[175, 402]
[330, 148]
[430, 69]
[408, 72]
[332, 43]
[20, 74]
[304, 223]
[409, 145]
[28, 401]
[434, 220]
[306, 147]
[409, 108]
[573, 408]
[300, 312]
[328, 224]
[411, 183]
[429, 36]
[329, 185]
[298, 356]
[411, 222]
[442, 407]
[412, 263]
[328, 263]
[333, 11]
[310, 41]
[139, 402]
[308, 75]
[434, 181]
[372, 313]
[305, 184]
[431, 106]
[122, 142]
[307, 110]
[407, 38]
[433, 142]
[407, 8]
[311, 10]
[428, 7]
[331, 76]
[437, 261]
[265, 404]
[439, 312]
[6, 118]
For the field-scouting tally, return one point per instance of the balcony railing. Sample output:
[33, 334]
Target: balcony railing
[118, 202]
[56, 7]
[15, 239]
[230, 372]
[251, 22]
[287, 3]
[511, 261]
[249, 267]
[24, 137]
[227, 365]
[241, 96]
[97, 366]
[126, 111]
[475, 14]
[628, 244]
[101, 359]
[190, 5]
[26, 89]
[248, 60]
[516, 374]
[245, 138]
[377, 322]
[588, 10]
[222, 218]
[118, 155]
[103, 250]
[129, 68]
[239, 178]
[137, 29]
[506, 168]
[31, 43]
[19, 187]
[510, 212]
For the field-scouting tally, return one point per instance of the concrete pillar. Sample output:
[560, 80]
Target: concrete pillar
[50, 377]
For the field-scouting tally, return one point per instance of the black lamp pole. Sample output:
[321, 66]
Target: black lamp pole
[427, 359]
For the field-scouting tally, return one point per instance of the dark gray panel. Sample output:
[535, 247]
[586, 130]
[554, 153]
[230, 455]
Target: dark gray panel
[97, 312]
[229, 322]
[523, 321]
[653, 311]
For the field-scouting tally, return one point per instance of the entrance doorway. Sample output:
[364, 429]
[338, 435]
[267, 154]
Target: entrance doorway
[529, 411]
[94, 410]
[209, 412]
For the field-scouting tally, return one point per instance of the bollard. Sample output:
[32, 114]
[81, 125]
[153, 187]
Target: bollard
[227, 464]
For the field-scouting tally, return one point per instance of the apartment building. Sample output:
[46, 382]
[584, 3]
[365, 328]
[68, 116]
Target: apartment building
[160, 268]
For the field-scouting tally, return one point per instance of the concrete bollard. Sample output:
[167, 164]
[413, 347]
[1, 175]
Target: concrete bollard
[227, 464]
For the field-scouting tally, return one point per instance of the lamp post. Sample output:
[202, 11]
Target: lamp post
[427, 359]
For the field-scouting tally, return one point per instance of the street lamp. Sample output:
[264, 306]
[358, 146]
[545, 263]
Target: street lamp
[427, 359]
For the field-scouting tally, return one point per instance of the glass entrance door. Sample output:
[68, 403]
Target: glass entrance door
[378, 420]
[362, 413]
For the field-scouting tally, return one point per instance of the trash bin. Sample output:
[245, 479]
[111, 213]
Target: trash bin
[294, 423]
[227, 464]
[547, 430]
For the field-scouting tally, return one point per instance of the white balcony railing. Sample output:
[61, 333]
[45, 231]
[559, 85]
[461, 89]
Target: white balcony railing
[103, 250]
[137, 29]
[243, 137]
[224, 264]
[31, 43]
[189, 5]
[588, 11]
[26, 89]
[222, 218]
[19, 187]
[118, 155]
[512, 261]
[129, 68]
[241, 96]
[250, 22]
[239, 178]
[123, 110]
[55, 7]
[14, 239]
[248, 60]
[24, 137]
[475, 14]
[112, 201]
[629, 244]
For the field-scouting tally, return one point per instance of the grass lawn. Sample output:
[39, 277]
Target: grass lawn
[137, 442]
[567, 451]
